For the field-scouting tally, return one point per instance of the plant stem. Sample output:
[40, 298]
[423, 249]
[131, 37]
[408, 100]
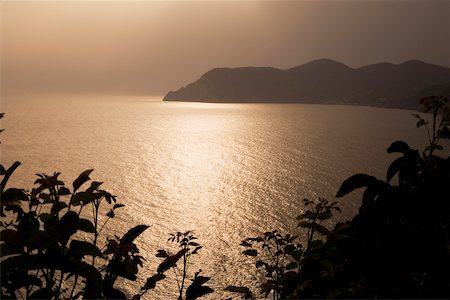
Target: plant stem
[184, 275]
[74, 285]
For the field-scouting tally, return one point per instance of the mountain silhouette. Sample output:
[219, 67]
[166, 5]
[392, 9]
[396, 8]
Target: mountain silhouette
[320, 81]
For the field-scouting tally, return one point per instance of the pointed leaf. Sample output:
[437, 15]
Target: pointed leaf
[69, 225]
[354, 182]
[240, 289]
[86, 225]
[250, 252]
[82, 248]
[197, 289]
[94, 186]
[82, 178]
[151, 281]
[118, 205]
[171, 261]
[132, 234]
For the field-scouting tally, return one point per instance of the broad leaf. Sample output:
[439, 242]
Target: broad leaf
[398, 146]
[394, 168]
[197, 289]
[69, 225]
[86, 225]
[171, 261]
[81, 198]
[151, 281]
[132, 234]
[82, 178]
[354, 182]
[81, 248]
[240, 289]
[250, 252]
[63, 191]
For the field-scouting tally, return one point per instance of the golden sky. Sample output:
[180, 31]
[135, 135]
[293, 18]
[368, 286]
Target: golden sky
[151, 47]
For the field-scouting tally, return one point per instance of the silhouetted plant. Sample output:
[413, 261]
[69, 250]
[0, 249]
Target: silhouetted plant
[188, 247]
[286, 260]
[43, 254]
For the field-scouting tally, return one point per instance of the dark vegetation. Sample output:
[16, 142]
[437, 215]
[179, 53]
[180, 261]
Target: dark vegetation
[397, 246]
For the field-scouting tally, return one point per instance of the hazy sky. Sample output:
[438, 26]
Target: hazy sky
[151, 47]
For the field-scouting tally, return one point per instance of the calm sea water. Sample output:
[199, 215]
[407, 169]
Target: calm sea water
[226, 171]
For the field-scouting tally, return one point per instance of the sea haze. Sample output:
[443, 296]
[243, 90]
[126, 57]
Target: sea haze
[226, 171]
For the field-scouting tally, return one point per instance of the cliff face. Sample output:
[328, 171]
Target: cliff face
[320, 81]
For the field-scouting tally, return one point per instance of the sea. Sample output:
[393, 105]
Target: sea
[224, 171]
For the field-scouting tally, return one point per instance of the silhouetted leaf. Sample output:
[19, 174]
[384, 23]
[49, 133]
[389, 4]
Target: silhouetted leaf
[13, 196]
[307, 215]
[171, 261]
[420, 123]
[118, 205]
[81, 198]
[304, 224]
[82, 248]
[82, 178]
[86, 225]
[94, 186]
[63, 191]
[443, 133]
[57, 207]
[354, 182]
[133, 233]
[69, 225]
[259, 263]
[398, 146]
[246, 244]
[250, 252]
[197, 289]
[240, 289]
[151, 281]
[162, 253]
[394, 168]
[111, 214]
[89, 272]
[433, 147]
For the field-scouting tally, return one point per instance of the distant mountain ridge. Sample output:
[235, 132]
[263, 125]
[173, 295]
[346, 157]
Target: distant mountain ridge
[320, 81]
